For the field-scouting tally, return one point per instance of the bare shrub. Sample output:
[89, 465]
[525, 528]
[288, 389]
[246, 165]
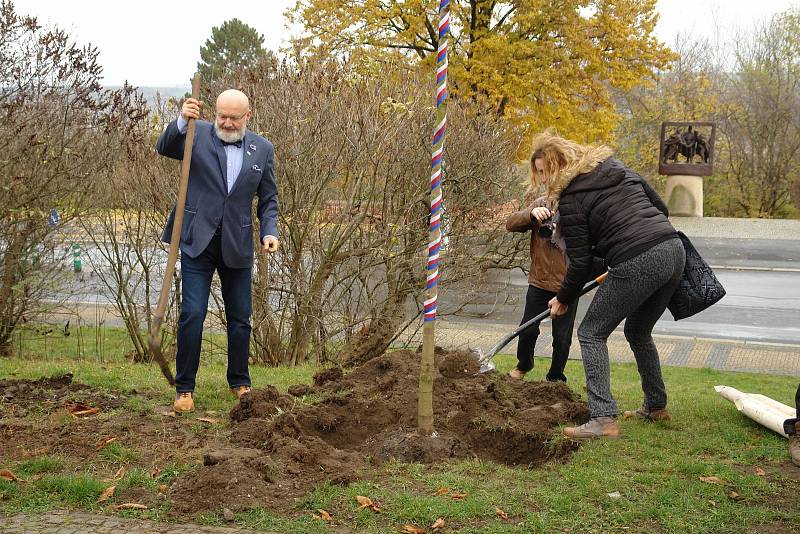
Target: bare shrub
[353, 164]
[130, 203]
[54, 119]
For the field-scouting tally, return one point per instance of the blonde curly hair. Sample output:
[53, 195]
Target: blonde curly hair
[563, 160]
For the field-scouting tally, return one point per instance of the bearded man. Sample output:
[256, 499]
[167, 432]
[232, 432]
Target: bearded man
[230, 167]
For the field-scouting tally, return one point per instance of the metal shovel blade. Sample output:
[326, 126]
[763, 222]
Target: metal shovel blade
[485, 360]
[486, 364]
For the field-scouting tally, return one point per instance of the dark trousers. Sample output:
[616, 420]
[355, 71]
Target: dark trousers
[789, 426]
[535, 303]
[637, 290]
[237, 296]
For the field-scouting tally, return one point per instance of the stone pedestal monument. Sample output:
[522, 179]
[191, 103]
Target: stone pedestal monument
[685, 195]
[686, 155]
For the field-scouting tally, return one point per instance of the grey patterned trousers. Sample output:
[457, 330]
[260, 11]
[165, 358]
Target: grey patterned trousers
[637, 290]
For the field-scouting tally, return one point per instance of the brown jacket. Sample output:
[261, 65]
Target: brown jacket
[548, 262]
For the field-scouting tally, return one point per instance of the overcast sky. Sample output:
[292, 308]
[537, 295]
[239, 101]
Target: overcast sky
[157, 43]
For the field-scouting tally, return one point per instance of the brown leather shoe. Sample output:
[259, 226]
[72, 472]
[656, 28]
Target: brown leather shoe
[597, 427]
[647, 414]
[184, 402]
[516, 374]
[239, 391]
[794, 446]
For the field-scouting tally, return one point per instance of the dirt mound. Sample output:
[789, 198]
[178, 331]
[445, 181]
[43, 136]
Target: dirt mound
[369, 415]
[50, 393]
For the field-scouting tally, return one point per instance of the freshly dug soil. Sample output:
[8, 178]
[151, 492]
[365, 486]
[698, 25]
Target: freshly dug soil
[51, 392]
[369, 416]
[34, 422]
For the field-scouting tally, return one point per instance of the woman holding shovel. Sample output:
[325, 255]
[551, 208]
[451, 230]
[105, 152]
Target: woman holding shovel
[609, 211]
[546, 273]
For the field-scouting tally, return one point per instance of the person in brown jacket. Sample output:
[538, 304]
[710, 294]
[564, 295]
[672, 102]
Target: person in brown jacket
[548, 267]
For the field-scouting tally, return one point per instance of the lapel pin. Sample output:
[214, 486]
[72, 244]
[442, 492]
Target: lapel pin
[256, 168]
[248, 153]
[253, 147]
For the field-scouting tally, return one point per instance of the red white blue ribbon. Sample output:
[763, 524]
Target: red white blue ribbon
[435, 221]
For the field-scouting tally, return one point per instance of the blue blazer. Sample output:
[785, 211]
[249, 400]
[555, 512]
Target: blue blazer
[208, 202]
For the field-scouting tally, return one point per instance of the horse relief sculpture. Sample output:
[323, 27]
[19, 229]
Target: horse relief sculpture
[687, 148]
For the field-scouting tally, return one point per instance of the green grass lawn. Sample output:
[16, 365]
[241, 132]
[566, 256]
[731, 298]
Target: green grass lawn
[653, 472]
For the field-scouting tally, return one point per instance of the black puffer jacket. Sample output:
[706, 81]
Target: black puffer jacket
[610, 212]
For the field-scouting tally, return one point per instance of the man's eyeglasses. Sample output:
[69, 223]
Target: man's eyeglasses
[233, 118]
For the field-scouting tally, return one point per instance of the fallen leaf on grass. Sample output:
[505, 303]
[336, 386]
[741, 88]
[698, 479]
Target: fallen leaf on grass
[78, 409]
[208, 420]
[84, 413]
[323, 515]
[169, 414]
[120, 473]
[155, 472]
[735, 496]
[107, 494]
[130, 506]
[8, 475]
[162, 488]
[441, 491]
[458, 495]
[760, 472]
[439, 523]
[411, 529]
[366, 502]
[711, 480]
[500, 512]
[109, 441]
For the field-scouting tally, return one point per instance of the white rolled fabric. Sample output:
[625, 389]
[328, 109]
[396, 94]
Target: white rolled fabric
[761, 409]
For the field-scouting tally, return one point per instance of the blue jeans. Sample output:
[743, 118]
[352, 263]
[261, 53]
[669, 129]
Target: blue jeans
[237, 296]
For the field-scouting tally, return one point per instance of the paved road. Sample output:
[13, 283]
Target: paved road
[757, 260]
[761, 306]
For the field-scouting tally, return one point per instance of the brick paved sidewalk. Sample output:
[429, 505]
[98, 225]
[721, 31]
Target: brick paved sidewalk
[674, 351]
[64, 522]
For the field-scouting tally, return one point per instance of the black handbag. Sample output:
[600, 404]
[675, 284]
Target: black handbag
[698, 288]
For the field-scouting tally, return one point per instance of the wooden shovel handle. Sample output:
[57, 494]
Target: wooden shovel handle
[175, 241]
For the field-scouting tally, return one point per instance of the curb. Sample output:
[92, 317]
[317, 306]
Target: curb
[754, 268]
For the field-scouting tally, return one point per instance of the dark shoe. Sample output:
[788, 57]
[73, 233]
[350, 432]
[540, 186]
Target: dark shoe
[240, 390]
[516, 374]
[184, 402]
[648, 414]
[556, 378]
[597, 427]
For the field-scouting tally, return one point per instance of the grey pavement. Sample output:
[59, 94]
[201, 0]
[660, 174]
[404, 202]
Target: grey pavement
[678, 351]
[738, 228]
[71, 522]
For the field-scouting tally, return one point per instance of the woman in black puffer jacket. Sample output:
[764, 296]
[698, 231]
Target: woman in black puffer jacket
[609, 211]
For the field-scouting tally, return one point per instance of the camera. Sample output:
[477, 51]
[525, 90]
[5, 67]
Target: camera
[546, 227]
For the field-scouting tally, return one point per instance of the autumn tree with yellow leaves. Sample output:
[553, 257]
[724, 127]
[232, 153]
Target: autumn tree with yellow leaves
[539, 63]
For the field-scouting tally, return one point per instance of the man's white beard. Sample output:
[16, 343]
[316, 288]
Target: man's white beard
[228, 137]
